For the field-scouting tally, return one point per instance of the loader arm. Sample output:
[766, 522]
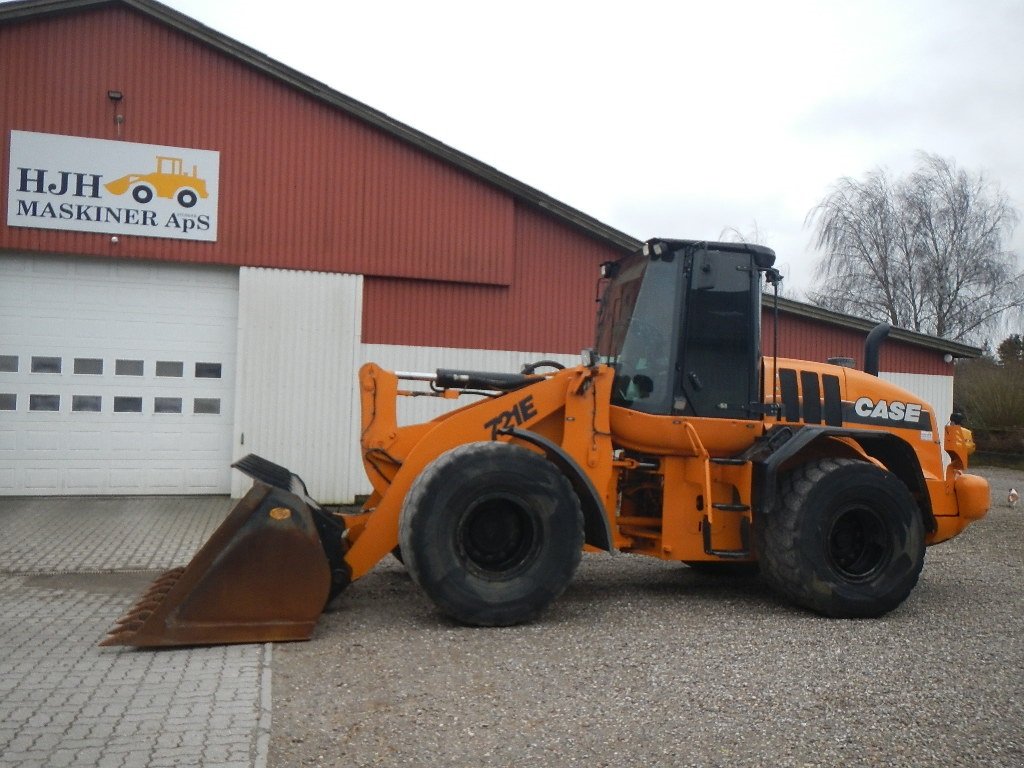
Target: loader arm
[569, 408]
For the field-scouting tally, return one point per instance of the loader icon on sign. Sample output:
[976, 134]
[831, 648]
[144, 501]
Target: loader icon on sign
[169, 180]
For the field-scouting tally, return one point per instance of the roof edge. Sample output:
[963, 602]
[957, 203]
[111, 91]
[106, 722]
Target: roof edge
[813, 312]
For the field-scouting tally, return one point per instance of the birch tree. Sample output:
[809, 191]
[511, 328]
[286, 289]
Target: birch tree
[927, 252]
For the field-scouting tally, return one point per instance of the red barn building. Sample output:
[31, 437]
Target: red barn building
[202, 245]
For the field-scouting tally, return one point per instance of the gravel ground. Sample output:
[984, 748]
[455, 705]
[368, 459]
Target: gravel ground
[649, 663]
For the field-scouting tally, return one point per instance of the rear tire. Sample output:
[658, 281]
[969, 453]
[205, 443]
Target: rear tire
[492, 533]
[845, 539]
[187, 198]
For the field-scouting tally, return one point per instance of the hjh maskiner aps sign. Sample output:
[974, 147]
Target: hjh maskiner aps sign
[116, 187]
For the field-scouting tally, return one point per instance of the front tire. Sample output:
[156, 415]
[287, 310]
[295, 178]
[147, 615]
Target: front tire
[845, 539]
[142, 194]
[492, 533]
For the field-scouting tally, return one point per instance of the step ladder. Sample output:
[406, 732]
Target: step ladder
[740, 507]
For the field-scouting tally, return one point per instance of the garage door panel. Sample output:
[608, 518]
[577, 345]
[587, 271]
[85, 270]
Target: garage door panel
[92, 325]
[85, 481]
[49, 268]
[50, 331]
[124, 441]
[104, 421]
[127, 479]
[169, 478]
[42, 480]
[202, 479]
[170, 442]
[85, 442]
[92, 297]
[208, 442]
[44, 441]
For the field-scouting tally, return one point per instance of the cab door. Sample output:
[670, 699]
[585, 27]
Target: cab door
[719, 350]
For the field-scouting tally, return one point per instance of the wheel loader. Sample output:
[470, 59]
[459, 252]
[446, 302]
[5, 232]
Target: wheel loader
[674, 438]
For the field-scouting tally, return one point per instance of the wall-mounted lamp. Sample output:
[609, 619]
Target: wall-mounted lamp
[115, 97]
[947, 358]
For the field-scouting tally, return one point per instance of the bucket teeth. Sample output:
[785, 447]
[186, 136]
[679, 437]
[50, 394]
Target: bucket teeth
[130, 627]
[167, 579]
[136, 616]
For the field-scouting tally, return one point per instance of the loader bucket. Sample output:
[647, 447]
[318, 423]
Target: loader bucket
[119, 186]
[264, 575]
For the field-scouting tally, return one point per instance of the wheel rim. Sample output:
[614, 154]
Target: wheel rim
[859, 544]
[498, 536]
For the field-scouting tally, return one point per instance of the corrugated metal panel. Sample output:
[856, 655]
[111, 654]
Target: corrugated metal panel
[549, 305]
[805, 339]
[297, 392]
[303, 185]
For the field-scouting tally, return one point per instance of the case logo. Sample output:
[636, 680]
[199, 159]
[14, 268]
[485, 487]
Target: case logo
[867, 408]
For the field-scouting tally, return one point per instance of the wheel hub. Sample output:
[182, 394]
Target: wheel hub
[859, 544]
[497, 536]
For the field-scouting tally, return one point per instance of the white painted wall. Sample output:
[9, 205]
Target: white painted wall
[297, 396]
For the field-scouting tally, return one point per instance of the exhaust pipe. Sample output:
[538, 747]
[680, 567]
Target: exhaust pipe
[872, 344]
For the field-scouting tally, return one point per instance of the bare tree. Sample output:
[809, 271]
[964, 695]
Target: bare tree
[924, 252]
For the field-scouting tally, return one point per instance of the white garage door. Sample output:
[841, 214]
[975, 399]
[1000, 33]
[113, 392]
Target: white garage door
[115, 377]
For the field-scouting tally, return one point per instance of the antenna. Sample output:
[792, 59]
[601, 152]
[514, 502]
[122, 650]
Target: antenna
[774, 277]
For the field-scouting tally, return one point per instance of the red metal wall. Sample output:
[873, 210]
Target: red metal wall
[450, 260]
[303, 185]
[806, 339]
[549, 306]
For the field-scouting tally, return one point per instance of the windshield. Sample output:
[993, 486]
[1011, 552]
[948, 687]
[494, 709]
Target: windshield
[636, 325]
[617, 304]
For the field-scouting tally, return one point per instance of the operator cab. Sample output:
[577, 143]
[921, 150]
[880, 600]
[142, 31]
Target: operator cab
[680, 322]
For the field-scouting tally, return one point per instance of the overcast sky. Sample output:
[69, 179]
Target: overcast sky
[675, 119]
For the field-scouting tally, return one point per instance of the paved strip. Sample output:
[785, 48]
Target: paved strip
[81, 534]
[68, 569]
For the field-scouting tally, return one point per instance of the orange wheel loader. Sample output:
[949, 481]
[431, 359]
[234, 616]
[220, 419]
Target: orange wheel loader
[675, 438]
